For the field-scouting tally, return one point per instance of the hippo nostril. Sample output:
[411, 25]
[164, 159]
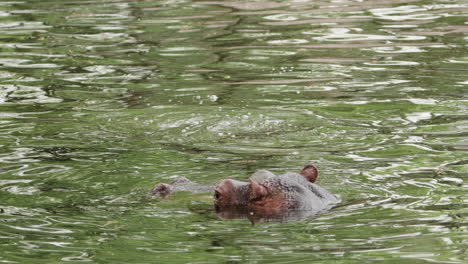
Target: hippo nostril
[217, 195]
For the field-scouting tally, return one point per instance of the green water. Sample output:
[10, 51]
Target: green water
[100, 100]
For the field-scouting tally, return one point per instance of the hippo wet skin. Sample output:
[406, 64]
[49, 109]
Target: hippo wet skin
[269, 194]
[265, 195]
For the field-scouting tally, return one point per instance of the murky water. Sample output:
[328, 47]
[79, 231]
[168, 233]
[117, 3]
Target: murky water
[100, 100]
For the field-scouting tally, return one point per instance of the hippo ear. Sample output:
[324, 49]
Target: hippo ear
[310, 173]
[256, 191]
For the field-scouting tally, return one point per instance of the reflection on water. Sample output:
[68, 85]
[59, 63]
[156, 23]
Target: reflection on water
[100, 100]
[256, 216]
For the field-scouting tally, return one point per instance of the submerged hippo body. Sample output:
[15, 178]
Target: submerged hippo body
[271, 194]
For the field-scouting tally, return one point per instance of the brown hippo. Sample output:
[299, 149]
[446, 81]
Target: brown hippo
[274, 194]
[265, 194]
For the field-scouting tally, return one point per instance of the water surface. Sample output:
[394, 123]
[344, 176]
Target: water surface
[100, 100]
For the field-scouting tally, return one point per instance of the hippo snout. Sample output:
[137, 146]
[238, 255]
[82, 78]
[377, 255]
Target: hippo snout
[222, 194]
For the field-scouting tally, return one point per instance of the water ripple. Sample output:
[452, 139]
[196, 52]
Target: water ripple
[99, 100]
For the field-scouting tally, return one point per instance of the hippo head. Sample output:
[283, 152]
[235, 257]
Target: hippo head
[264, 190]
[162, 190]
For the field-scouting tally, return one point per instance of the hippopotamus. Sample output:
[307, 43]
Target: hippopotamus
[270, 194]
[163, 190]
[263, 194]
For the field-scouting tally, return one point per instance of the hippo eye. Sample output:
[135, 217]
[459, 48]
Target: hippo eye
[217, 195]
